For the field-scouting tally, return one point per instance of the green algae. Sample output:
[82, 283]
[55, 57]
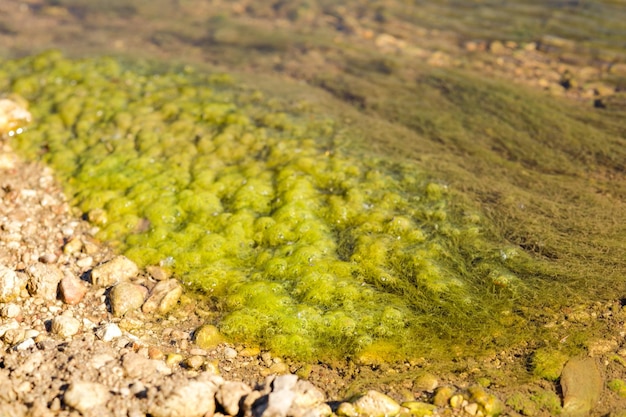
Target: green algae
[302, 248]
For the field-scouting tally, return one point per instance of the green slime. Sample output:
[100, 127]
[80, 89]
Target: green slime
[302, 248]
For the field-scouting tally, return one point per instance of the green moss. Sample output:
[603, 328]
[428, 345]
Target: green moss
[310, 252]
[548, 363]
[618, 386]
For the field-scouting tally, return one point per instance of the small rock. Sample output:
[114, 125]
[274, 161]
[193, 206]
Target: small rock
[118, 269]
[26, 344]
[85, 263]
[125, 297]
[443, 395]
[10, 310]
[173, 359]
[582, 383]
[155, 353]
[426, 382]
[43, 280]
[194, 361]
[191, 399]
[163, 297]
[65, 326]
[11, 324]
[157, 272]
[278, 403]
[230, 394]
[136, 366]
[375, 404]
[230, 353]
[13, 336]
[418, 408]
[72, 289]
[279, 368]
[489, 404]
[308, 398]
[9, 285]
[109, 332]
[84, 396]
[207, 336]
[347, 410]
[75, 245]
[284, 382]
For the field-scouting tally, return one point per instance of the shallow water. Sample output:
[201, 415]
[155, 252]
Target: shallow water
[547, 175]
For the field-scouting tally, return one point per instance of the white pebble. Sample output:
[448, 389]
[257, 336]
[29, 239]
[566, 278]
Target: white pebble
[65, 326]
[109, 332]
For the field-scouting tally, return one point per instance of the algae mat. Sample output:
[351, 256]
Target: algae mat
[301, 246]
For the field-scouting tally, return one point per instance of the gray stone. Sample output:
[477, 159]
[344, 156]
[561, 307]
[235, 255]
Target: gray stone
[125, 297]
[582, 383]
[375, 404]
[163, 297]
[118, 269]
[9, 285]
[230, 394]
[85, 396]
[191, 399]
[43, 280]
[65, 326]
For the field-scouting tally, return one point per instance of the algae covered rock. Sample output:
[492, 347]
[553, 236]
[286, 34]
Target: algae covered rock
[208, 336]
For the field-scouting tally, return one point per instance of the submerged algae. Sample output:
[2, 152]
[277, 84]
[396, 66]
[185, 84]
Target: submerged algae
[305, 249]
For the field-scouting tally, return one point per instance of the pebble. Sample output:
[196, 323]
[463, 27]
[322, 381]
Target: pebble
[230, 353]
[125, 297]
[194, 361]
[13, 336]
[426, 382]
[163, 297]
[157, 273]
[85, 262]
[489, 404]
[108, 332]
[582, 384]
[73, 246]
[65, 326]
[116, 270]
[191, 399]
[375, 404]
[347, 410]
[84, 396]
[9, 285]
[72, 289]
[229, 396]
[10, 310]
[207, 336]
[136, 366]
[309, 400]
[43, 280]
[26, 344]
